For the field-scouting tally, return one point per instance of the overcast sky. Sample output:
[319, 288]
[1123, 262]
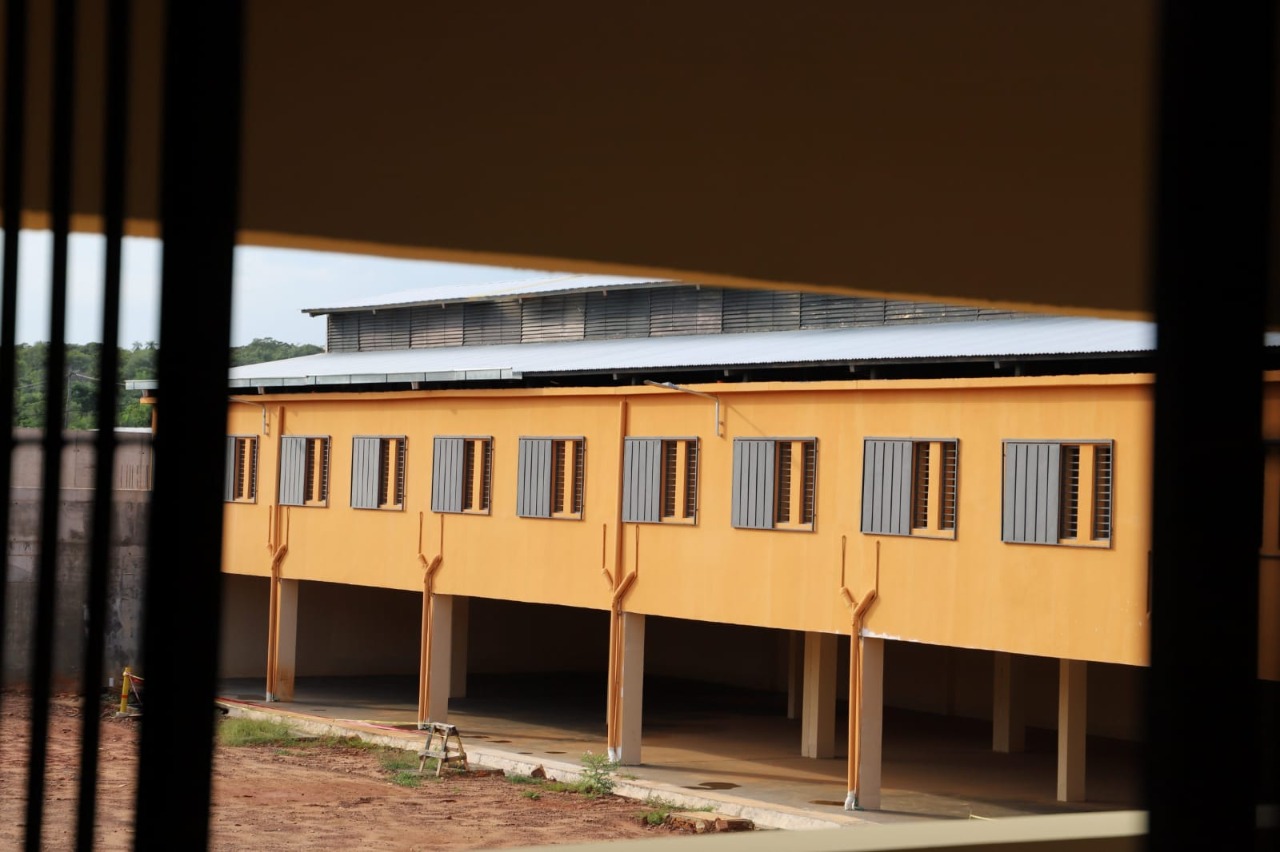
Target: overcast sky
[272, 287]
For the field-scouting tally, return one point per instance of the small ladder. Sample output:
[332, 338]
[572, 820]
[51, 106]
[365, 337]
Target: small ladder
[444, 744]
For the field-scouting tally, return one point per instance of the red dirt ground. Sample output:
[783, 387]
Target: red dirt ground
[311, 798]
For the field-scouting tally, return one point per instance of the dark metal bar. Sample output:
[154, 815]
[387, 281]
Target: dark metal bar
[15, 98]
[64, 32]
[113, 167]
[198, 216]
[1211, 216]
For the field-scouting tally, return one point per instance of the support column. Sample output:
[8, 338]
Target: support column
[1008, 725]
[632, 692]
[795, 673]
[1072, 676]
[283, 652]
[458, 665]
[818, 714]
[870, 723]
[441, 658]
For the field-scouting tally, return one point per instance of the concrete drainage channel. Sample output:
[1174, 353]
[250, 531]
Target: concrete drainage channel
[760, 814]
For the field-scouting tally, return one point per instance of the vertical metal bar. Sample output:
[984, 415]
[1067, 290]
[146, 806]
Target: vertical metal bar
[1212, 217]
[113, 166]
[199, 195]
[64, 33]
[15, 98]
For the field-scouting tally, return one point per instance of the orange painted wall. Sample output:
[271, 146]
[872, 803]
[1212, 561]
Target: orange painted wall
[974, 591]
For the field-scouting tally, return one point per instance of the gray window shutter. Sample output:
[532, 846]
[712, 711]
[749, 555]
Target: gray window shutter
[1031, 473]
[446, 476]
[753, 483]
[366, 458]
[533, 488]
[886, 487]
[642, 480]
[229, 477]
[293, 470]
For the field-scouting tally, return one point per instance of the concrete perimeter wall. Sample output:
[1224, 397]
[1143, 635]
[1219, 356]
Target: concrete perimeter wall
[131, 499]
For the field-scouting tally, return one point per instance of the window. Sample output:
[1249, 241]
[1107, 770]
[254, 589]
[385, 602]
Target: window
[1058, 492]
[461, 475]
[304, 471]
[242, 469]
[660, 480]
[552, 473]
[909, 486]
[377, 472]
[774, 483]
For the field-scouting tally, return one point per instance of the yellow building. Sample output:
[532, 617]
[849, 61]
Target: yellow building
[759, 475]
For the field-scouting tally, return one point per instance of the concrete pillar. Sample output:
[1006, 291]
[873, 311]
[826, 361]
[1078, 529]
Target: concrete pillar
[458, 665]
[795, 673]
[818, 713]
[286, 649]
[1072, 676]
[871, 723]
[1008, 726]
[631, 712]
[438, 666]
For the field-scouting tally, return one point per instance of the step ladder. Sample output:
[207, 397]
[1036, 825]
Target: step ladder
[444, 744]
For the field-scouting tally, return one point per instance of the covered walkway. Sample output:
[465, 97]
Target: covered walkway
[733, 744]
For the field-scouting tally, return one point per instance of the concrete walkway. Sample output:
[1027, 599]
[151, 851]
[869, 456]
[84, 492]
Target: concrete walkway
[732, 751]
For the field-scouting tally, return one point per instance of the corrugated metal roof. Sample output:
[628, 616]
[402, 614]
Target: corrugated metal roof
[979, 340]
[988, 339]
[443, 293]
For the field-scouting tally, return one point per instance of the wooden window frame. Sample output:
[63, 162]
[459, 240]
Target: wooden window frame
[797, 487]
[315, 471]
[660, 480]
[392, 474]
[930, 504]
[680, 460]
[792, 484]
[1086, 504]
[315, 483]
[565, 486]
[244, 469]
[462, 478]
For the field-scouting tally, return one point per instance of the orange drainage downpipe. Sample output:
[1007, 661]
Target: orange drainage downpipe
[616, 639]
[273, 607]
[615, 579]
[859, 608]
[429, 570]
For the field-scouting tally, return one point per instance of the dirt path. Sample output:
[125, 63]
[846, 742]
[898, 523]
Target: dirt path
[320, 796]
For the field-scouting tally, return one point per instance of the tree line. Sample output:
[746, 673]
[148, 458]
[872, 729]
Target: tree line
[82, 379]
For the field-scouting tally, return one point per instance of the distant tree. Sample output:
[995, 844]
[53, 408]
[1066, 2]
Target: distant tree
[269, 349]
[82, 379]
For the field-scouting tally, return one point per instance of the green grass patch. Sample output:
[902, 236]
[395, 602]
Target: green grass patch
[531, 794]
[582, 787]
[657, 809]
[239, 731]
[407, 778]
[397, 760]
[242, 731]
[348, 742]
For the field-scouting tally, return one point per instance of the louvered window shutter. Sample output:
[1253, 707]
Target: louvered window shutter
[753, 475]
